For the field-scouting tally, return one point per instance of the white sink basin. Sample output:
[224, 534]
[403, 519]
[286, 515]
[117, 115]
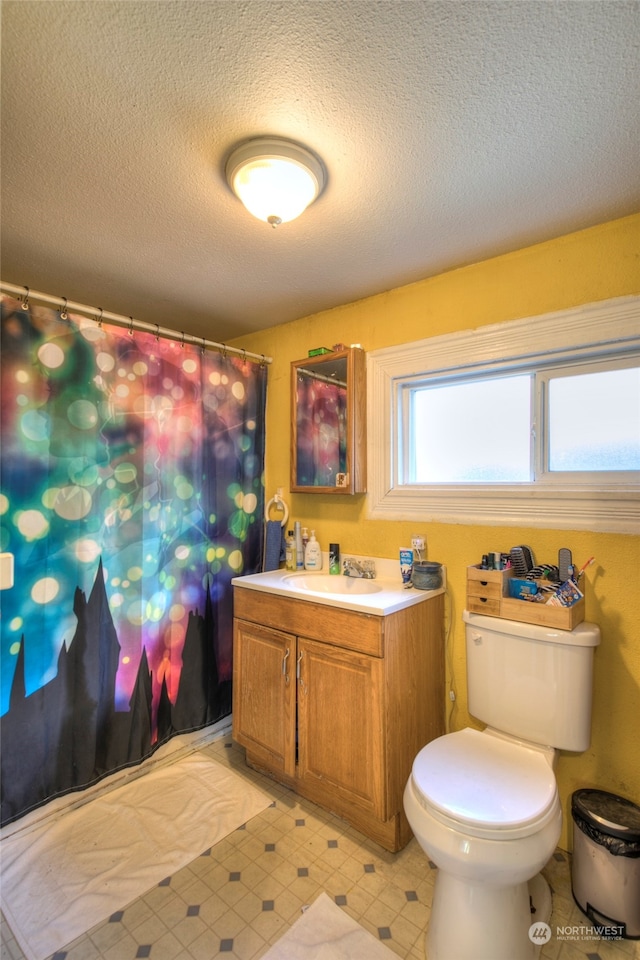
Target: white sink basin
[380, 597]
[325, 583]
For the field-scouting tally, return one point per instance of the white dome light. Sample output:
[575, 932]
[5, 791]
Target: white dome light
[275, 179]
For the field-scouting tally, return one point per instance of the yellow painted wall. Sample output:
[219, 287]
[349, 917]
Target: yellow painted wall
[595, 264]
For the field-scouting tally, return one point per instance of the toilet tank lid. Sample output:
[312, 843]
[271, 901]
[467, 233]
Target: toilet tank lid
[584, 635]
[484, 781]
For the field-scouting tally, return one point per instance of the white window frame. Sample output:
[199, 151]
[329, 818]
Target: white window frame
[586, 332]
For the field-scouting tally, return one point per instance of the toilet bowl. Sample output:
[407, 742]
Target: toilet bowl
[485, 809]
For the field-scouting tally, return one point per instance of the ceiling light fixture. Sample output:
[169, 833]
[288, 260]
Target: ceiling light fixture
[275, 179]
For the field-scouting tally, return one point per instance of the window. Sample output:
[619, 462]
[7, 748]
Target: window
[502, 425]
[592, 416]
[452, 435]
[483, 429]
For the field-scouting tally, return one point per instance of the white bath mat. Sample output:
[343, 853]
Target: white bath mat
[64, 876]
[325, 932]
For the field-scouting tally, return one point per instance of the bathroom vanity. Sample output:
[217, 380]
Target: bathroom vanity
[334, 693]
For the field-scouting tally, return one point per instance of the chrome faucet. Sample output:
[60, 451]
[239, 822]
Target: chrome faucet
[353, 568]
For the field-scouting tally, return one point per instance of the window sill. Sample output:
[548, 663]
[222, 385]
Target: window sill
[597, 510]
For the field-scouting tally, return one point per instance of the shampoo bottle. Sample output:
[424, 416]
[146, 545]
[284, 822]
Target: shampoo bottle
[313, 554]
[290, 551]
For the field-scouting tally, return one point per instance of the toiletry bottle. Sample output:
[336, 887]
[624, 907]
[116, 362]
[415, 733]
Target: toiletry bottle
[299, 547]
[334, 558]
[290, 551]
[305, 539]
[313, 554]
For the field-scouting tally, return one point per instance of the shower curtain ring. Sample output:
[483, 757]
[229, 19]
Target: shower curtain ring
[224, 351]
[157, 332]
[130, 326]
[203, 347]
[99, 319]
[25, 299]
[63, 311]
[182, 341]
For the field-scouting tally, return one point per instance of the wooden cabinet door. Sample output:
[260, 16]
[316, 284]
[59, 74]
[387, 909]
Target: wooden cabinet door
[264, 695]
[340, 725]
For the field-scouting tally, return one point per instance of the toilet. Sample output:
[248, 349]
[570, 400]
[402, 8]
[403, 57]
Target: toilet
[484, 805]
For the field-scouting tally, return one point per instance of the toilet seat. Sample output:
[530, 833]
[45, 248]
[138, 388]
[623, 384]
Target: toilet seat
[485, 786]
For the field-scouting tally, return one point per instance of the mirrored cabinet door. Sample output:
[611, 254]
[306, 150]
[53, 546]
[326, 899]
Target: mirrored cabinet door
[328, 415]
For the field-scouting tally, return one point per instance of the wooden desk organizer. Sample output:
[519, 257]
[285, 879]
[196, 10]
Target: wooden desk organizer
[488, 593]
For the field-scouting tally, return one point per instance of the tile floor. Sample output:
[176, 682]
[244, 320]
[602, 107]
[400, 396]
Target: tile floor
[242, 895]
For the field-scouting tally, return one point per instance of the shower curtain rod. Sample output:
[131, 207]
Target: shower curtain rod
[98, 314]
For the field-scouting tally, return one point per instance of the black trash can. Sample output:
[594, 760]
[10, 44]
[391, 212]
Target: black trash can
[605, 873]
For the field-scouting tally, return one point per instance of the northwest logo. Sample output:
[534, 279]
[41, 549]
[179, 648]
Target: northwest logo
[539, 933]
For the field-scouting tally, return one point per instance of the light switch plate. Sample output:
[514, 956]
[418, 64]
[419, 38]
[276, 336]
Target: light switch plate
[6, 571]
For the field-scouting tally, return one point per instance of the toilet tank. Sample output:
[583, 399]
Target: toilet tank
[531, 681]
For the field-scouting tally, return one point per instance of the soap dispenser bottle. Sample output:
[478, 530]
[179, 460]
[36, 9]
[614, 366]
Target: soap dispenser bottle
[313, 554]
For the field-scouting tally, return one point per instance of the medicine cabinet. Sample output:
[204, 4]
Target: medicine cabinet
[328, 423]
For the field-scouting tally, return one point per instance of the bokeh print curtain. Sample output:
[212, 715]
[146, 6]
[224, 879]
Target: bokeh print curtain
[131, 493]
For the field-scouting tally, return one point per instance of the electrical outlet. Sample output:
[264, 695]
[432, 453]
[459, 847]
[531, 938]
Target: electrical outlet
[417, 543]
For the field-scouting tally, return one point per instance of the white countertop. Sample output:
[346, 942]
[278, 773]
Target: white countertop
[391, 597]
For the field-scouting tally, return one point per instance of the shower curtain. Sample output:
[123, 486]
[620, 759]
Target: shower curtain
[131, 492]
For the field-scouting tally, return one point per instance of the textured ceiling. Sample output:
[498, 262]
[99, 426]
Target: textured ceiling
[451, 132]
